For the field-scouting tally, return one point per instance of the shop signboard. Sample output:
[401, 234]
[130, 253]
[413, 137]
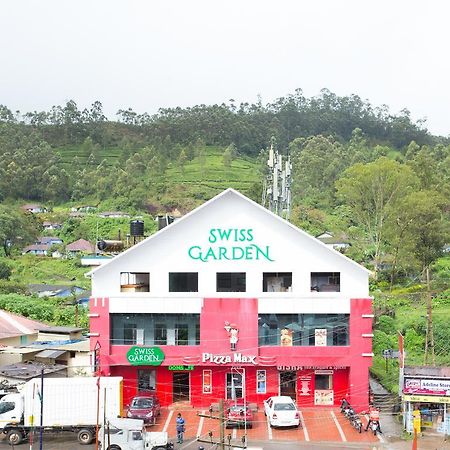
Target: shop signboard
[230, 244]
[426, 399]
[181, 368]
[235, 358]
[145, 356]
[426, 386]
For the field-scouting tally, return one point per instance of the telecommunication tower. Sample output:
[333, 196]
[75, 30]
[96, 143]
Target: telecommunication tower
[277, 186]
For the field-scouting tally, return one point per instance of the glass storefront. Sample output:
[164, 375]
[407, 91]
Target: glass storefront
[155, 329]
[303, 329]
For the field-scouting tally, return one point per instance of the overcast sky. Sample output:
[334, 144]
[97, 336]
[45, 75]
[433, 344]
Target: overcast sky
[147, 54]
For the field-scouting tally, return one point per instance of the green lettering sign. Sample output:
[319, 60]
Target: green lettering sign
[181, 367]
[145, 356]
[232, 244]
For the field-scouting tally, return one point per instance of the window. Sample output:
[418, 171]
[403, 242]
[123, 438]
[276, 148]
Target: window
[181, 334]
[155, 329]
[260, 381]
[6, 406]
[323, 382]
[129, 333]
[160, 334]
[303, 329]
[134, 282]
[146, 380]
[197, 334]
[277, 281]
[183, 282]
[231, 282]
[325, 281]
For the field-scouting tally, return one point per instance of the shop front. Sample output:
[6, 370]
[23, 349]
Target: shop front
[426, 400]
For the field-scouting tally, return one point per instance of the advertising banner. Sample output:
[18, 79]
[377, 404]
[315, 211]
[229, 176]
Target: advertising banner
[427, 386]
[323, 397]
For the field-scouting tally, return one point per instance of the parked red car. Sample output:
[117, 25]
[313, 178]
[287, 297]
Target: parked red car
[238, 415]
[146, 407]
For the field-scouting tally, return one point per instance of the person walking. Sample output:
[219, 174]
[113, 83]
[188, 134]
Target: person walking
[180, 428]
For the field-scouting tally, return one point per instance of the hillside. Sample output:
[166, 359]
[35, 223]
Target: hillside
[378, 181]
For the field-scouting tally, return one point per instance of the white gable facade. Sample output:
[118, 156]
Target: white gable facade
[247, 292]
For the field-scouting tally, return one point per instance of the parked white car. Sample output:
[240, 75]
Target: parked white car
[282, 412]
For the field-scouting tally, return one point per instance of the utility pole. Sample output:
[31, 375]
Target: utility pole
[221, 443]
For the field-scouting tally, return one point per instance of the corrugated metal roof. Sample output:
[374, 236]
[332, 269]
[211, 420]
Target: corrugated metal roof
[50, 354]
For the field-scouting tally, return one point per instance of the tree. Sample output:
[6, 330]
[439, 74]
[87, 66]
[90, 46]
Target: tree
[15, 228]
[370, 190]
[182, 160]
[227, 158]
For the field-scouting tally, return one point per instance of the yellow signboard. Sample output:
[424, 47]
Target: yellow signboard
[416, 420]
[426, 399]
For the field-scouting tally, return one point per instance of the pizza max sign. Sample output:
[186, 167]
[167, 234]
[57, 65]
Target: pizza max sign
[236, 358]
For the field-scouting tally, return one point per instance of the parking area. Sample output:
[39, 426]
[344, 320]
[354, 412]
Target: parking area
[318, 425]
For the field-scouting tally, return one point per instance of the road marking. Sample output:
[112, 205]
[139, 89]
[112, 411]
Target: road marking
[169, 417]
[200, 424]
[341, 432]
[269, 428]
[305, 431]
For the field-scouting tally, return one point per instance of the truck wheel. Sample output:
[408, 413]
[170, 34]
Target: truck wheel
[14, 437]
[85, 436]
[113, 447]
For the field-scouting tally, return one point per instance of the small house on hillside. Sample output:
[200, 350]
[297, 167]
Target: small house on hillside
[34, 208]
[80, 246]
[49, 226]
[340, 243]
[42, 246]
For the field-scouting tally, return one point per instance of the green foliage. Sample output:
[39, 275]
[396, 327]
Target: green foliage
[5, 270]
[47, 310]
[385, 324]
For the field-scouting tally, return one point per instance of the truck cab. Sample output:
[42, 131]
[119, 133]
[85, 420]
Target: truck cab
[11, 409]
[129, 434]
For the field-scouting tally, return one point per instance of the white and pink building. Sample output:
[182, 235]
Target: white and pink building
[233, 301]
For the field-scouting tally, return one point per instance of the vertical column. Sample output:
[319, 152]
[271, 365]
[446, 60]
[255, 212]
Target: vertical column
[361, 318]
[99, 331]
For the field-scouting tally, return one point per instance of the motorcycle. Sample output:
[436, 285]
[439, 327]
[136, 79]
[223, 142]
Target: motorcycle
[344, 404]
[349, 412]
[356, 422]
[375, 427]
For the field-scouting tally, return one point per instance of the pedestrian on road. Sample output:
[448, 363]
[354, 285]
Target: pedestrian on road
[180, 428]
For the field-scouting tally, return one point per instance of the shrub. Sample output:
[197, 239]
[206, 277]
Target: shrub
[5, 270]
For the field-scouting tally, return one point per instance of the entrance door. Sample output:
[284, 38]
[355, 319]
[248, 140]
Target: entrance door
[180, 387]
[235, 385]
[288, 384]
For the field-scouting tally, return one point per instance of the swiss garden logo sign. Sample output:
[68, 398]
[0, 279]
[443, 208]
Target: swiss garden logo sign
[145, 356]
[232, 244]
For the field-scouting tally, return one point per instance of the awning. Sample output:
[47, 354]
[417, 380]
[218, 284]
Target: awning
[50, 354]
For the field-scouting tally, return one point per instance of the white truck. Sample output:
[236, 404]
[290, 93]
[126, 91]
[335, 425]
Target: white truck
[130, 434]
[68, 404]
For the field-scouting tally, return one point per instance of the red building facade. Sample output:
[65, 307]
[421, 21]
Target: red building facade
[263, 332]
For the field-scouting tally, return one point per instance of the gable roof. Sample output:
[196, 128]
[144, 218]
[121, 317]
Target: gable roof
[12, 325]
[81, 245]
[230, 191]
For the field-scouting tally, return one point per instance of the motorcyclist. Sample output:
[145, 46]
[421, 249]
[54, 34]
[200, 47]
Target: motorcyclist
[374, 417]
